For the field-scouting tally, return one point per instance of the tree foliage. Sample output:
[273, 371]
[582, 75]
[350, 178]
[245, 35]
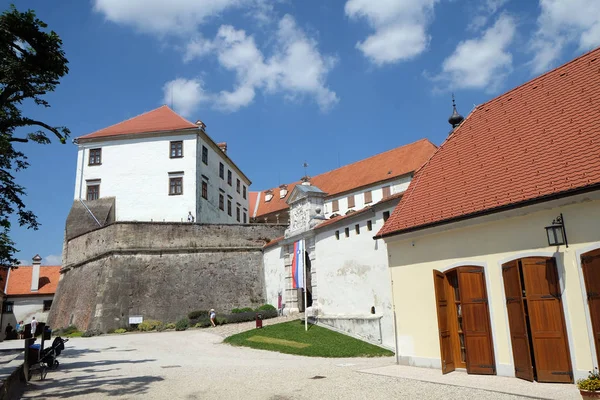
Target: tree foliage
[31, 64]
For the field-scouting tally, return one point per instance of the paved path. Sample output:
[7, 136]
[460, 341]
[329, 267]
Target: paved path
[196, 365]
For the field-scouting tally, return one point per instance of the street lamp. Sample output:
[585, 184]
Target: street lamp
[556, 233]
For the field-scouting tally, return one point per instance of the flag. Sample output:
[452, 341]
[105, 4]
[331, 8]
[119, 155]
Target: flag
[298, 265]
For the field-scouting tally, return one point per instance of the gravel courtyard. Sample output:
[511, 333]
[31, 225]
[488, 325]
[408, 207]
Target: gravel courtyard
[196, 365]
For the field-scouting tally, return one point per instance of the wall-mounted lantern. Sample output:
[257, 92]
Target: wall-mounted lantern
[556, 233]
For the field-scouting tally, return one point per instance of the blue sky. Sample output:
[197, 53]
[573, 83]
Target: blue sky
[282, 81]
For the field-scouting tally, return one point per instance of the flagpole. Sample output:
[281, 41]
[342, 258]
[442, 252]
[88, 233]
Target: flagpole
[305, 288]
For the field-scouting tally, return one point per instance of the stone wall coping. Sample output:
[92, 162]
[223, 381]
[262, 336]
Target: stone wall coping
[350, 317]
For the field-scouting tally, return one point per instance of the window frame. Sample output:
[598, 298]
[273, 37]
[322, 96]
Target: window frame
[357, 229]
[6, 305]
[205, 190]
[173, 149]
[337, 235]
[369, 225]
[245, 191]
[174, 180]
[221, 202]
[238, 214]
[351, 201]
[205, 155]
[90, 186]
[347, 232]
[368, 197]
[238, 185]
[386, 216]
[229, 207]
[386, 191]
[229, 177]
[245, 218]
[221, 170]
[97, 154]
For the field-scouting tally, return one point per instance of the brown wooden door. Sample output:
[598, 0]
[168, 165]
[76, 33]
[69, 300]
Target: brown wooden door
[546, 320]
[476, 321]
[441, 297]
[590, 263]
[516, 321]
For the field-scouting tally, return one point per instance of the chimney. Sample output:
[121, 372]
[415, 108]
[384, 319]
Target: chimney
[35, 273]
[223, 147]
[201, 125]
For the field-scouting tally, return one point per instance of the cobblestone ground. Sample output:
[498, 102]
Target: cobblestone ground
[196, 364]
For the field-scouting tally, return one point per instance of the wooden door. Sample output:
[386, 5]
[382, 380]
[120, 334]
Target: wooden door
[476, 321]
[546, 320]
[590, 263]
[516, 321]
[441, 297]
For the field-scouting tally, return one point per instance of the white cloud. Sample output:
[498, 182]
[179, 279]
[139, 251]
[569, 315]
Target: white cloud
[485, 10]
[165, 17]
[481, 63]
[185, 95]
[400, 28]
[296, 68]
[52, 259]
[564, 22]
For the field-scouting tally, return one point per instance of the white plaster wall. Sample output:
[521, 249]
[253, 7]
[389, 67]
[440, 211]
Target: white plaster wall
[136, 172]
[208, 210]
[23, 309]
[275, 271]
[353, 276]
[396, 186]
[490, 244]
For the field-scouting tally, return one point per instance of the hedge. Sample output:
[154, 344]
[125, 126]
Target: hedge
[249, 316]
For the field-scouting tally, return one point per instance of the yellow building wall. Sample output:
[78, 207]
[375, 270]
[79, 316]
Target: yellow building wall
[490, 245]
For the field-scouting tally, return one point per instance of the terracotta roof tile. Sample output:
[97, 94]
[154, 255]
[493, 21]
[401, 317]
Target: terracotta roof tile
[19, 280]
[161, 119]
[381, 167]
[537, 140]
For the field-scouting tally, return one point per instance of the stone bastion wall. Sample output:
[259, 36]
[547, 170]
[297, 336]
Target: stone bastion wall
[159, 271]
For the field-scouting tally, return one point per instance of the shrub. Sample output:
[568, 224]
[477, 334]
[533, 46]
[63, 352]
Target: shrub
[182, 324]
[65, 331]
[197, 314]
[149, 325]
[203, 323]
[92, 332]
[170, 325]
[266, 307]
[249, 316]
[592, 383]
[220, 321]
[241, 310]
[74, 334]
[120, 330]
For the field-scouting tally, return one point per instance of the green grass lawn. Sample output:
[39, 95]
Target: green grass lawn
[291, 338]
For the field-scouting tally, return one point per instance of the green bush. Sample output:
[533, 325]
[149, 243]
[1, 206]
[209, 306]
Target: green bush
[182, 324]
[92, 332]
[149, 325]
[74, 334]
[250, 316]
[203, 323]
[197, 314]
[241, 310]
[266, 307]
[170, 325]
[65, 331]
[120, 330]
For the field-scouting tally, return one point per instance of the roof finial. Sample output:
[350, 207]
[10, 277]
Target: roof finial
[455, 119]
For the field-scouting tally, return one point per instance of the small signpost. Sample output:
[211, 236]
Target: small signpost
[135, 319]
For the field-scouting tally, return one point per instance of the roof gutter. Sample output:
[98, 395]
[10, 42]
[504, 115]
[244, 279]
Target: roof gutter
[537, 200]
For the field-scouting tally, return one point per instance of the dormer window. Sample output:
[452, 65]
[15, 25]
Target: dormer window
[268, 195]
[283, 191]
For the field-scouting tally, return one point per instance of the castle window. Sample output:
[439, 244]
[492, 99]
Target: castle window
[245, 217]
[387, 191]
[176, 149]
[357, 229]
[237, 214]
[237, 186]
[175, 186]
[347, 231]
[368, 197]
[204, 155]
[369, 225]
[221, 202]
[229, 177]
[337, 235]
[93, 191]
[47, 305]
[221, 171]
[229, 207]
[204, 190]
[244, 192]
[386, 215]
[95, 157]
[335, 206]
[351, 201]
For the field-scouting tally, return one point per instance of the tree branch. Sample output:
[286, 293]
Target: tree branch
[20, 140]
[29, 121]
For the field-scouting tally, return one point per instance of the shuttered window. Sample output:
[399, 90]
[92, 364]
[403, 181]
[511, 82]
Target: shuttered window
[350, 201]
[368, 197]
[387, 191]
[335, 206]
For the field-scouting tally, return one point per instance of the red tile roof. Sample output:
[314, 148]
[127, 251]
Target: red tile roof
[162, 119]
[538, 140]
[19, 280]
[381, 167]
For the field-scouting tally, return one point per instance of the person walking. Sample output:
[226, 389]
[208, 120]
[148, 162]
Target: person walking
[34, 324]
[212, 314]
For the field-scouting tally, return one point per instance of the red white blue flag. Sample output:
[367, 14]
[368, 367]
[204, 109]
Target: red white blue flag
[298, 265]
